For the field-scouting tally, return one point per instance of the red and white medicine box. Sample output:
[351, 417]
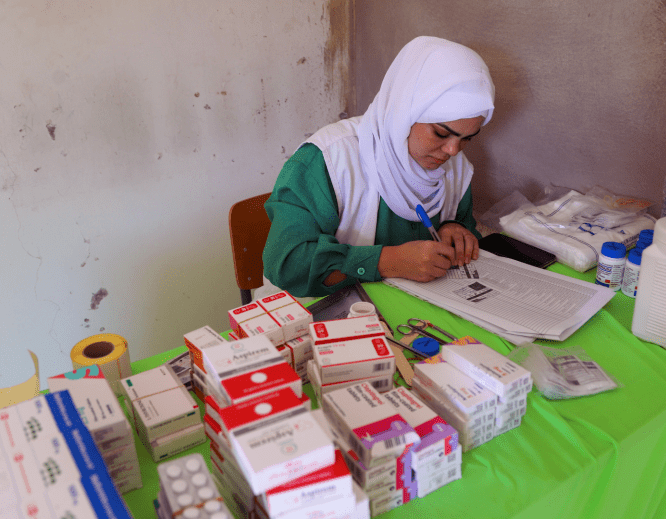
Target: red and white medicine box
[369, 423]
[275, 439]
[200, 339]
[326, 484]
[247, 368]
[279, 316]
[353, 359]
[337, 330]
[351, 349]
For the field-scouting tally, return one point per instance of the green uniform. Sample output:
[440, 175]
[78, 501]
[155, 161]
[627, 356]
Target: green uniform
[301, 250]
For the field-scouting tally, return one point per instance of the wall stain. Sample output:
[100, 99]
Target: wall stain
[196, 94]
[97, 298]
[301, 61]
[51, 129]
[206, 107]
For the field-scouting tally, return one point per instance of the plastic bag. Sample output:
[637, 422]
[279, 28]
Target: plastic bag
[560, 373]
[572, 225]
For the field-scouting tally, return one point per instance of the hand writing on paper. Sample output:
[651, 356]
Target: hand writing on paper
[416, 260]
[464, 243]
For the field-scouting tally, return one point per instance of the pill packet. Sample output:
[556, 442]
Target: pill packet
[560, 373]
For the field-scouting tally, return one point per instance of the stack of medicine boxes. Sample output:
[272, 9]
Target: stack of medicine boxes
[284, 321]
[349, 351]
[396, 447]
[50, 467]
[187, 490]
[165, 416]
[475, 389]
[265, 446]
[108, 426]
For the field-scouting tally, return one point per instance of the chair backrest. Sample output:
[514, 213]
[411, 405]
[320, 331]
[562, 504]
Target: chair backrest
[248, 229]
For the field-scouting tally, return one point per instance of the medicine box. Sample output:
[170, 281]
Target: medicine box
[200, 339]
[326, 484]
[52, 464]
[336, 330]
[369, 423]
[439, 472]
[381, 383]
[279, 316]
[444, 379]
[247, 368]
[275, 439]
[488, 367]
[97, 404]
[176, 442]
[158, 403]
[437, 437]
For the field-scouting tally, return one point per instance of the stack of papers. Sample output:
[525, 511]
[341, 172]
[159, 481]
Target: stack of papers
[511, 299]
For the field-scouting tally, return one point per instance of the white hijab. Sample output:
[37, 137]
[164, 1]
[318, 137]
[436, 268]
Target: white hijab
[430, 81]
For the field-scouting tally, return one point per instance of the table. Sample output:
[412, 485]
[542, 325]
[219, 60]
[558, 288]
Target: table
[602, 456]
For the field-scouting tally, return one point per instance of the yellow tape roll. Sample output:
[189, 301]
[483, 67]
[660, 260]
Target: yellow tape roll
[109, 352]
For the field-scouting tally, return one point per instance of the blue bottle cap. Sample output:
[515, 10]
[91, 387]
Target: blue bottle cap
[613, 249]
[426, 346]
[635, 256]
[646, 235]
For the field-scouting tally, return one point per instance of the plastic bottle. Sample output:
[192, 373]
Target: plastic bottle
[361, 309]
[649, 322]
[632, 270]
[611, 265]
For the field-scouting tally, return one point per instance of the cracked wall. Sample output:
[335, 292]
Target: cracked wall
[127, 132]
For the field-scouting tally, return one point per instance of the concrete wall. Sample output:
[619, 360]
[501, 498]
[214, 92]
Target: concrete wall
[581, 88]
[127, 130]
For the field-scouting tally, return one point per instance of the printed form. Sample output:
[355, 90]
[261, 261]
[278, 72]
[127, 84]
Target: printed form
[511, 299]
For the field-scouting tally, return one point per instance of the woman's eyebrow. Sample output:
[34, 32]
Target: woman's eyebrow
[456, 133]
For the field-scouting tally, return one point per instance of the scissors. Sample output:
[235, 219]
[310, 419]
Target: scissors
[419, 326]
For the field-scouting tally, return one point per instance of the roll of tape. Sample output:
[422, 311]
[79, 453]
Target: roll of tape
[109, 352]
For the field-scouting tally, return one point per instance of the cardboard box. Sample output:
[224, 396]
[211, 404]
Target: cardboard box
[437, 437]
[470, 434]
[279, 316]
[200, 339]
[329, 483]
[489, 368]
[275, 439]
[380, 383]
[369, 423]
[176, 442]
[356, 359]
[439, 472]
[97, 404]
[248, 368]
[452, 385]
[160, 404]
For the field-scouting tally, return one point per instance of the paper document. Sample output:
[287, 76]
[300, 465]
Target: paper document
[514, 300]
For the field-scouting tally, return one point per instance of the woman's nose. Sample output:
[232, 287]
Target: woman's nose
[451, 147]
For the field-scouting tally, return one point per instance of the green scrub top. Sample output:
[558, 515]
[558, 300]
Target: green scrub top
[301, 250]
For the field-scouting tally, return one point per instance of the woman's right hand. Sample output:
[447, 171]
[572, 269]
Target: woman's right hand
[416, 260]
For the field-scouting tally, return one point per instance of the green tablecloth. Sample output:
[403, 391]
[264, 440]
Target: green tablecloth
[602, 456]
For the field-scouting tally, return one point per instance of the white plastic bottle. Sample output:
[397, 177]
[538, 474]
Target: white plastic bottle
[632, 271]
[649, 321]
[611, 265]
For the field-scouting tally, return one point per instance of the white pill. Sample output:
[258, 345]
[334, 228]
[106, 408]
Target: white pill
[174, 471]
[205, 493]
[178, 486]
[199, 480]
[193, 464]
[212, 506]
[219, 515]
[185, 500]
[191, 513]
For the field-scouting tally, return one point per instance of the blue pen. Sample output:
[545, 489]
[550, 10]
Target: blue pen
[426, 221]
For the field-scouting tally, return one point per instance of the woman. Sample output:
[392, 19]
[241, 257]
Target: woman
[343, 206]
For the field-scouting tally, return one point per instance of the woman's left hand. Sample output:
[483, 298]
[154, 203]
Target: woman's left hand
[463, 241]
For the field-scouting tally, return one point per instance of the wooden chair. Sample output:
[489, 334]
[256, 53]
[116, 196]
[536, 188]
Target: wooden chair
[248, 229]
